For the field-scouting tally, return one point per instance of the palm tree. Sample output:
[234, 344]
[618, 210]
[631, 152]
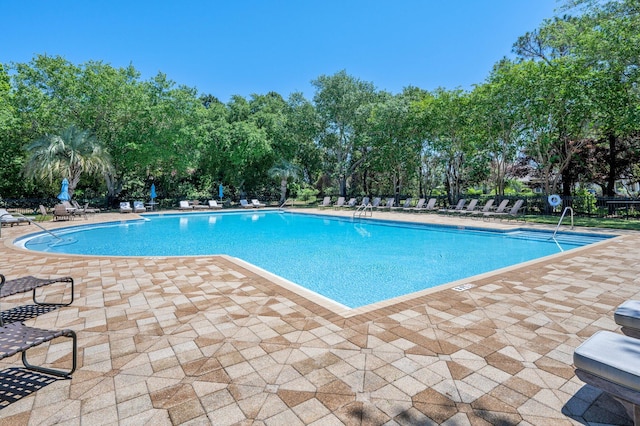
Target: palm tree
[69, 154]
[284, 170]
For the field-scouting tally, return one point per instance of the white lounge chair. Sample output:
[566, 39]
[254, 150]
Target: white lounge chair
[339, 203]
[213, 204]
[245, 205]
[125, 207]
[609, 361]
[257, 204]
[138, 207]
[627, 316]
[7, 218]
[184, 205]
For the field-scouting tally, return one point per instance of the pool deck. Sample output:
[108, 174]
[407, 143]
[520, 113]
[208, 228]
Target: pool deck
[206, 340]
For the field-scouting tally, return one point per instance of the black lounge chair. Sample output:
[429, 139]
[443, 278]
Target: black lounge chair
[25, 284]
[19, 338]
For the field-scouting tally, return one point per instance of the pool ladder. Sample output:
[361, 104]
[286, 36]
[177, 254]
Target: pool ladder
[285, 203]
[363, 209]
[564, 212]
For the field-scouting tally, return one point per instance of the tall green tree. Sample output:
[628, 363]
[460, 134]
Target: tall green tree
[395, 151]
[69, 154]
[497, 120]
[337, 100]
[447, 116]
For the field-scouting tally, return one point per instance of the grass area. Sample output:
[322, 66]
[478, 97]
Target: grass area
[591, 222]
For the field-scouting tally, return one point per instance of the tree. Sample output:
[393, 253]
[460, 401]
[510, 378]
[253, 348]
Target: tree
[337, 99]
[69, 154]
[447, 117]
[394, 150]
[283, 171]
[497, 120]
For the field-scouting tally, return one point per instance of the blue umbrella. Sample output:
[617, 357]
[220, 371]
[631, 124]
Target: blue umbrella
[221, 191]
[153, 191]
[64, 191]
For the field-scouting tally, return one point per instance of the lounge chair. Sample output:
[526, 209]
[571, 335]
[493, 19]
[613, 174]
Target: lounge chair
[138, 207]
[245, 205]
[29, 283]
[512, 213]
[197, 206]
[75, 209]
[326, 202]
[418, 206]
[376, 202]
[485, 209]
[352, 203]
[18, 338]
[213, 204]
[7, 218]
[43, 211]
[390, 202]
[364, 203]
[86, 209]
[125, 207]
[609, 361]
[406, 205]
[430, 207]
[60, 212]
[339, 203]
[453, 209]
[184, 205]
[257, 204]
[627, 316]
[501, 207]
[471, 207]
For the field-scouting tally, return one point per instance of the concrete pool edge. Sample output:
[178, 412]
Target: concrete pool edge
[333, 306]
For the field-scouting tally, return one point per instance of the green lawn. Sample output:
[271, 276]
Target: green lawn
[592, 222]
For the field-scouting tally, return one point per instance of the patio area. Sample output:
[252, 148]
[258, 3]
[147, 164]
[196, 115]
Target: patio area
[206, 340]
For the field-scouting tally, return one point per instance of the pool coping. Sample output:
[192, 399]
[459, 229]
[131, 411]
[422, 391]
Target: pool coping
[330, 306]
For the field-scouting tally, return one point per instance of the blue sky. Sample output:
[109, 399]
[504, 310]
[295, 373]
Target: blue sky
[249, 46]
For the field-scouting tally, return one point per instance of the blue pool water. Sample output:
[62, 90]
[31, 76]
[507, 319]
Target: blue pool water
[355, 263]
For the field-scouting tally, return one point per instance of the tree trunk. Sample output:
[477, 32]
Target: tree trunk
[610, 189]
[283, 191]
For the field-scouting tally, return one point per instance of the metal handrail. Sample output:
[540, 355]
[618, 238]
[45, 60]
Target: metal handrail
[362, 210]
[31, 221]
[285, 202]
[564, 212]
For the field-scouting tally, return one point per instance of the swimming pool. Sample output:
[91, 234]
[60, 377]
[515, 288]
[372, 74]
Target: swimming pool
[354, 263]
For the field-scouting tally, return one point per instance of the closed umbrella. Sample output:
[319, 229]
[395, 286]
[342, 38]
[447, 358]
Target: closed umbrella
[64, 191]
[153, 195]
[221, 192]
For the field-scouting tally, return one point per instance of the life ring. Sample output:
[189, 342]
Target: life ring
[554, 200]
